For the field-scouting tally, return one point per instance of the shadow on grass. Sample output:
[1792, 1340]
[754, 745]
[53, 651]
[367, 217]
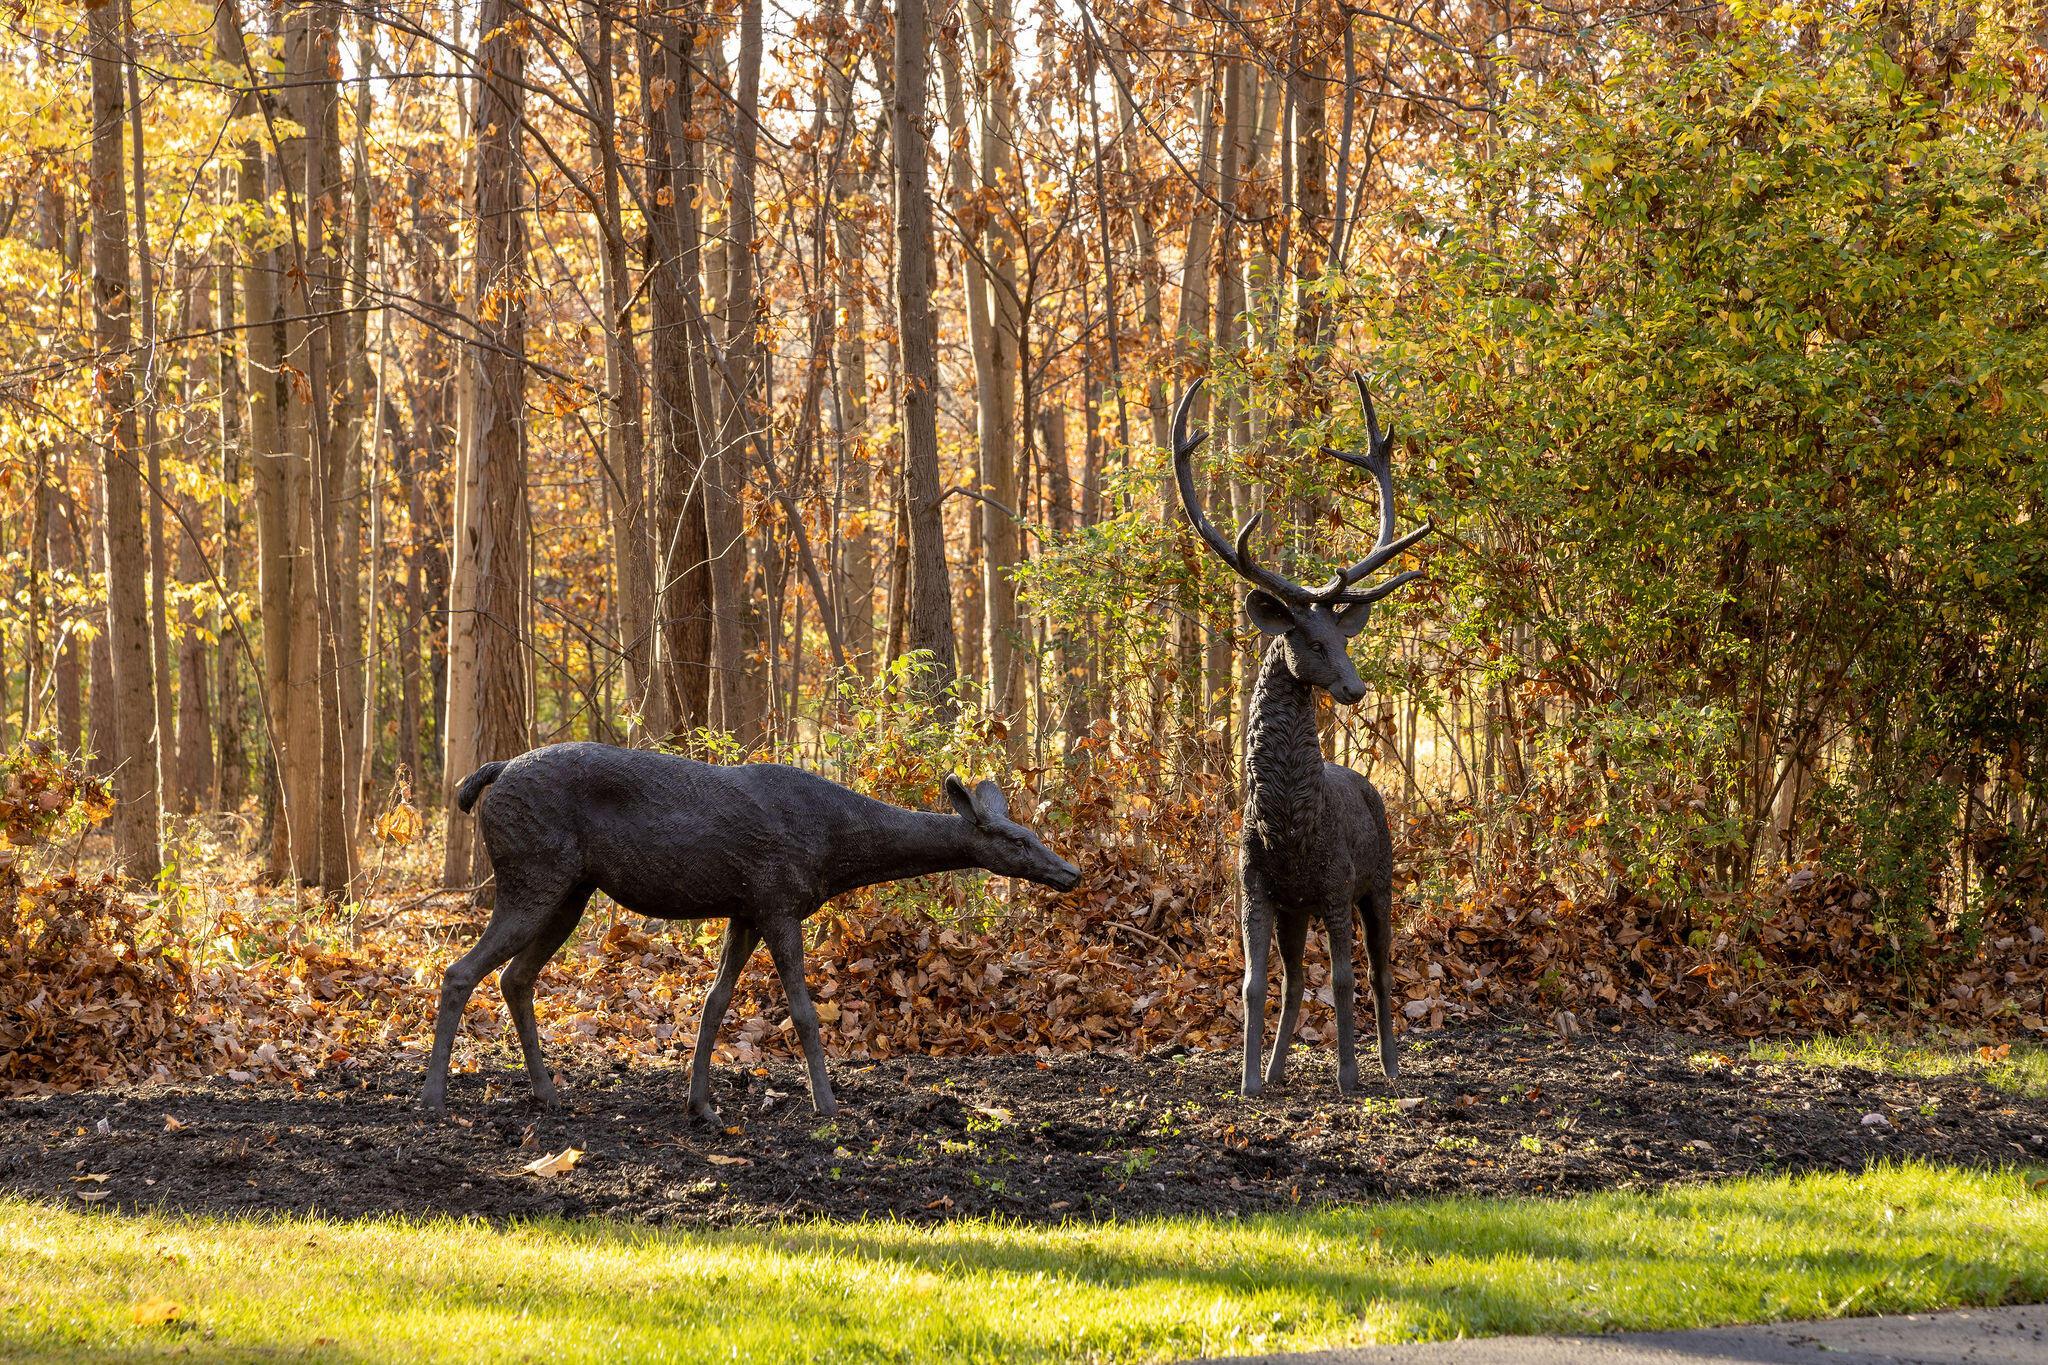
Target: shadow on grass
[1766, 1249]
[1307, 1251]
[1901, 1238]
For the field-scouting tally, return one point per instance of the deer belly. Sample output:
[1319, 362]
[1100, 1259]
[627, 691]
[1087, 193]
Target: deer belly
[662, 885]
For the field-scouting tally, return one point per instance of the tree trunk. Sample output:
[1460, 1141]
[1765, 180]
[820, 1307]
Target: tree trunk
[102, 730]
[36, 640]
[66, 565]
[409, 757]
[431, 243]
[1312, 191]
[743, 708]
[357, 427]
[195, 771]
[970, 210]
[231, 760]
[1002, 182]
[1240, 100]
[70, 533]
[1201, 644]
[1151, 272]
[331, 509]
[492, 538]
[850, 376]
[273, 465]
[131, 685]
[1070, 642]
[929, 624]
[625, 450]
[984, 186]
[155, 491]
[682, 545]
[303, 396]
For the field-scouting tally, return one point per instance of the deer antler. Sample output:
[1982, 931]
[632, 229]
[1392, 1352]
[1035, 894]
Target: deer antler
[1239, 556]
[1378, 461]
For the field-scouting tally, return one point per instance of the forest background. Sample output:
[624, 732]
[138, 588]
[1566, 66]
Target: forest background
[389, 388]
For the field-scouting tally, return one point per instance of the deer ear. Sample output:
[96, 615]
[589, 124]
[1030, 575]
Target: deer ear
[962, 799]
[1268, 612]
[990, 803]
[1352, 619]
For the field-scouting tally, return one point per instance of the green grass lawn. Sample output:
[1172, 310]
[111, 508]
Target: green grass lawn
[2020, 1068]
[89, 1283]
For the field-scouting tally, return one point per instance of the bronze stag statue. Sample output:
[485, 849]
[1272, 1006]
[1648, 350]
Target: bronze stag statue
[1315, 842]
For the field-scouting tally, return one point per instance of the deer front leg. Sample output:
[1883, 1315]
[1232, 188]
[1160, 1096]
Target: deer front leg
[1379, 934]
[1344, 994]
[740, 938]
[1257, 927]
[1293, 949]
[785, 937]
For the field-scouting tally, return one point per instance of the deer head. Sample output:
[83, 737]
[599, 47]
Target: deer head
[1002, 845]
[1311, 623]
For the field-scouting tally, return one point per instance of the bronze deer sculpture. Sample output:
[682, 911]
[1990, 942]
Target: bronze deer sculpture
[760, 845]
[1315, 842]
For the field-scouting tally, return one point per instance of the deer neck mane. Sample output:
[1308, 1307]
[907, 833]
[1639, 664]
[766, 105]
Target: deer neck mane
[1283, 759]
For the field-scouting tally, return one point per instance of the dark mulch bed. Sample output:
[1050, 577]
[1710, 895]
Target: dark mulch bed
[1477, 1112]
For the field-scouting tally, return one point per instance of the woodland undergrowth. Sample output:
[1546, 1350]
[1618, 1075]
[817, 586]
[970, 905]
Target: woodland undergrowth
[214, 972]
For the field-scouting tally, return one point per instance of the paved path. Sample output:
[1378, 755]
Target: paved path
[1974, 1336]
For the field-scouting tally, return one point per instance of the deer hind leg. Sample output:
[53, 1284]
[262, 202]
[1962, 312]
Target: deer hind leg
[1379, 932]
[1256, 924]
[1293, 949]
[520, 915]
[740, 938]
[1344, 996]
[516, 985]
[785, 937]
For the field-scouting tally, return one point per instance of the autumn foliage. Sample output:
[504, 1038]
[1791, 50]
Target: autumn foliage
[382, 393]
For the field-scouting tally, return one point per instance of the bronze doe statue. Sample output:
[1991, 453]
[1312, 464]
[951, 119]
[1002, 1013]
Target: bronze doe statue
[760, 845]
[1315, 841]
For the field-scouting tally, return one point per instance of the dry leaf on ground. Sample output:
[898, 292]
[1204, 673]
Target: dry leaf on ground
[561, 1163]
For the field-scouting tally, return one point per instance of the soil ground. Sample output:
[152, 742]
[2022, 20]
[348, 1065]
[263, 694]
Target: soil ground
[1482, 1112]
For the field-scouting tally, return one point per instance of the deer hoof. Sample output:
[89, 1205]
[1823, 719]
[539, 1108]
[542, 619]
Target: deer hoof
[705, 1114]
[1250, 1089]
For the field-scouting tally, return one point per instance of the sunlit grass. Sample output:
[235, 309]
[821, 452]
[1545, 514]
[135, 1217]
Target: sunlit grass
[86, 1283]
[2021, 1068]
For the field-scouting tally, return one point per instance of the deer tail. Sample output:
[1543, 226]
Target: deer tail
[473, 786]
